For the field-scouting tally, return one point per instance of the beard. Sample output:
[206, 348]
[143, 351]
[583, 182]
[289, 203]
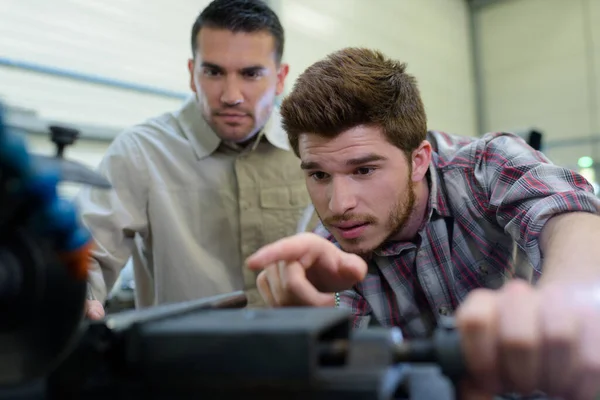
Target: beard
[399, 215]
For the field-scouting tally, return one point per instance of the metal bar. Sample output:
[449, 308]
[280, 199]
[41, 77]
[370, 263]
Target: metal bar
[30, 123]
[124, 319]
[590, 46]
[89, 78]
[479, 4]
[479, 84]
[572, 142]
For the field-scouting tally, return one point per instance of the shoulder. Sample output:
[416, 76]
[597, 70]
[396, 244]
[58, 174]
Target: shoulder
[153, 132]
[470, 152]
[275, 133]
[156, 127]
[130, 148]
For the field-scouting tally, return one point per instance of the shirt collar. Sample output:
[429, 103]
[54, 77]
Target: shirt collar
[205, 141]
[437, 191]
[436, 203]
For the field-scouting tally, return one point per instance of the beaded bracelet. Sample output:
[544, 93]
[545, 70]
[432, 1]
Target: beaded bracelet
[336, 296]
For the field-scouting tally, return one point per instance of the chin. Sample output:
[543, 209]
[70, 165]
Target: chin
[234, 133]
[358, 246]
[238, 137]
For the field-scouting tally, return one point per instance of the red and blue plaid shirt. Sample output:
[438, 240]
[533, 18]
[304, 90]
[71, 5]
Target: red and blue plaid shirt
[489, 200]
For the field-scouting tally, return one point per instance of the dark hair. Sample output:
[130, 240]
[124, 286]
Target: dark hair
[240, 16]
[352, 87]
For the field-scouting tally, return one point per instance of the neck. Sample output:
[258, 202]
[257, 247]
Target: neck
[417, 216]
[248, 141]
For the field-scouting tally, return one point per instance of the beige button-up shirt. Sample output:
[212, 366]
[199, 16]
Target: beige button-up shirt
[189, 208]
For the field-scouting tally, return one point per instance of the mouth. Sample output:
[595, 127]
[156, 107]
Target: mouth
[351, 230]
[232, 117]
[232, 114]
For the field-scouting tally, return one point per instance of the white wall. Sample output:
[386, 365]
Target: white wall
[147, 42]
[431, 36]
[541, 67]
[139, 41]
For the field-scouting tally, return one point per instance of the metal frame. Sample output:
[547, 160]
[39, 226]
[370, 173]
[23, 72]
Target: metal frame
[89, 78]
[28, 122]
[476, 6]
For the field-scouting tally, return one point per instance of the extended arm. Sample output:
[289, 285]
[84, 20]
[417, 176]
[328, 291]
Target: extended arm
[571, 247]
[114, 216]
[523, 337]
[535, 202]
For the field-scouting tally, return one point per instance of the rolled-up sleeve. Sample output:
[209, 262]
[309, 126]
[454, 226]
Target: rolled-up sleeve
[523, 189]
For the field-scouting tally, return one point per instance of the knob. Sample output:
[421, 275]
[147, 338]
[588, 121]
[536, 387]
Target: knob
[62, 137]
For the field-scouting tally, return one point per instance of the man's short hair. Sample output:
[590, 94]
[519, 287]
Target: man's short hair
[353, 87]
[246, 16]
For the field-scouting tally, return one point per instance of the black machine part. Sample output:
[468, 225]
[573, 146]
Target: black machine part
[71, 171]
[62, 137]
[41, 303]
[41, 306]
[443, 349]
[303, 353]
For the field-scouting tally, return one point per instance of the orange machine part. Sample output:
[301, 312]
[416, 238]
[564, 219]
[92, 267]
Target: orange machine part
[77, 261]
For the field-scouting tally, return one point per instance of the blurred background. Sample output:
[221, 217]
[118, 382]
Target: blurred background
[483, 65]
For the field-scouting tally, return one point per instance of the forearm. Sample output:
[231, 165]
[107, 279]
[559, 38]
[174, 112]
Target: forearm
[97, 289]
[570, 244]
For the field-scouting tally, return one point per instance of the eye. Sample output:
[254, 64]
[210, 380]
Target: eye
[365, 170]
[318, 175]
[210, 72]
[252, 74]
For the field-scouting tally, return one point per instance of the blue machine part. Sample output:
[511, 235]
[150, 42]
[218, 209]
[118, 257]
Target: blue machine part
[35, 189]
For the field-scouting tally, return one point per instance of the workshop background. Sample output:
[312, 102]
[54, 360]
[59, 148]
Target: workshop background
[482, 65]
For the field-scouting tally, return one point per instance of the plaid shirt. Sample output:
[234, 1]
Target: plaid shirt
[489, 200]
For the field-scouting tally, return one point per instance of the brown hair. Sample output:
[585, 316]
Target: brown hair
[352, 87]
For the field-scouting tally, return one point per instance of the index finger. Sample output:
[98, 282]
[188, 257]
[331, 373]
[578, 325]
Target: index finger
[305, 248]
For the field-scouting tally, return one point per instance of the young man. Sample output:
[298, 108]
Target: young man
[198, 190]
[417, 224]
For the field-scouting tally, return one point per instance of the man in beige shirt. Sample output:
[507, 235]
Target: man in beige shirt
[198, 190]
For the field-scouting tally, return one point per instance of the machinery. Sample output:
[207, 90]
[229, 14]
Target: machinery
[209, 348]
[43, 253]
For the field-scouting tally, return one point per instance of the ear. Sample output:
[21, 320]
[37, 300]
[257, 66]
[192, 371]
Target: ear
[421, 158]
[191, 66]
[282, 73]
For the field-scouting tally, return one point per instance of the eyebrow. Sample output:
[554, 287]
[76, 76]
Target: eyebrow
[211, 65]
[369, 158]
[354, 162]
[252, 68]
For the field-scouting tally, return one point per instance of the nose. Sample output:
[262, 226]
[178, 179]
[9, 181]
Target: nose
[341, 196]
[232, 95]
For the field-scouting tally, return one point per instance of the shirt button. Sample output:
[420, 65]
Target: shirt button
[444, 311]
[483, 269]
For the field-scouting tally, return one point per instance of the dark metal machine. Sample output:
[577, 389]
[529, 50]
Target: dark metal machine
[210, 348]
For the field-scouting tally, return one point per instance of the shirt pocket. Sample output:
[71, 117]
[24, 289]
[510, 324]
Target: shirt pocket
[488, 269]
[495, 269]
[281, 208]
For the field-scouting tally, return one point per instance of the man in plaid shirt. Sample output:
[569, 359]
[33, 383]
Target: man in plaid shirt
[420, 225]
